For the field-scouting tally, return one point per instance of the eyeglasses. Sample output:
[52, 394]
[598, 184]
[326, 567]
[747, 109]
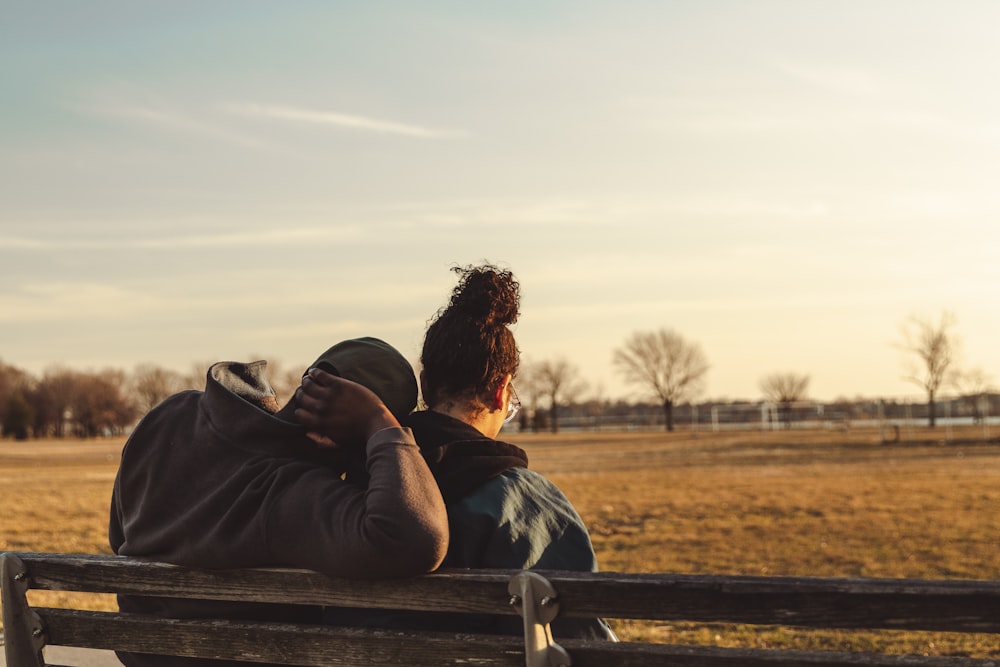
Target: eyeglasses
[513, 407]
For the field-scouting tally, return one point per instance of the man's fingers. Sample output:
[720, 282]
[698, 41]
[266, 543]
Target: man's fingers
[307, 418]
[316, 392]
[312, 400]
[309, 387]
[320, 377]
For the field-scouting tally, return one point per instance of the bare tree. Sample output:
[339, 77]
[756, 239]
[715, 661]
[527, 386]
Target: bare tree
[935, 347]
[150, 384]
[558, 380]
[52, 399]
[529, 393]
[15, 384]
[974, 384]
[784, 389]
[17, 418]
[663, 362]
[99, 405]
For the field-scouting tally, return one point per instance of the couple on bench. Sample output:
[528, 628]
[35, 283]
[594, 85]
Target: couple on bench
[346, 479]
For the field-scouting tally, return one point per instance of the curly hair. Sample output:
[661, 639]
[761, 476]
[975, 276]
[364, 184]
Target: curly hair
[469, 347]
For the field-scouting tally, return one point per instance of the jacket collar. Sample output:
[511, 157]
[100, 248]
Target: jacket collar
[460, 457]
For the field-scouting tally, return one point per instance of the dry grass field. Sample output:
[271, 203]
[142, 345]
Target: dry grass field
[817, 503]
[805, 503]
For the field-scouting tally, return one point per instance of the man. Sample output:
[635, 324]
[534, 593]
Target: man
[222, 479]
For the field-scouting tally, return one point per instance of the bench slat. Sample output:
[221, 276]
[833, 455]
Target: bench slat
[321, 645]
[486, 592]
[901, 604]
[275, 642]
[895, 604]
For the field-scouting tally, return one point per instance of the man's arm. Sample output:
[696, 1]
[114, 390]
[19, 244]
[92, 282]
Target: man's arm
[396, 527]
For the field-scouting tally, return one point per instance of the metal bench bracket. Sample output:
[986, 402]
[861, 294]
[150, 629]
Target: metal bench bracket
[537, 602]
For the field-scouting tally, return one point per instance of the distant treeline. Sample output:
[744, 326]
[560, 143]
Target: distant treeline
[63, 402]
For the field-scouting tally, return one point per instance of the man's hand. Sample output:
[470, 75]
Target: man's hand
[339, 413]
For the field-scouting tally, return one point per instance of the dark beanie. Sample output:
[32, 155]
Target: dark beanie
[376, 365]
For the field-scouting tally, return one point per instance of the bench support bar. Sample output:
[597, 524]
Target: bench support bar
[537, 602]
[24, 635]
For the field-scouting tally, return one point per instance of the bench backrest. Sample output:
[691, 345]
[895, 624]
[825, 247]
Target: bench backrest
[956, 606]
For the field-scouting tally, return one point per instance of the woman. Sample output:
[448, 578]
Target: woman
[500, 513]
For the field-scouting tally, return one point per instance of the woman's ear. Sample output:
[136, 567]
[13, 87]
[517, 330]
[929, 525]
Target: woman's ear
[499, 398]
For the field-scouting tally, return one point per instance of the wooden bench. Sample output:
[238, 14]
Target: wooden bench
[958, 606]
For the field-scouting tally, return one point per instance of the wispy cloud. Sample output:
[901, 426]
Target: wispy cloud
[598, 212]
[254, 238]
[263, 238]
[186, 123]
[310, 116]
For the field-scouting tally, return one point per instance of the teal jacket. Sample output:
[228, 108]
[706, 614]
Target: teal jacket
[521, 520]
[518, 519]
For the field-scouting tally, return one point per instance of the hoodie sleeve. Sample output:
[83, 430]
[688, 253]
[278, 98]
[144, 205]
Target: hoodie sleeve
[396, 527]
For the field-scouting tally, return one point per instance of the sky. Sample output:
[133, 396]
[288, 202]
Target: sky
[783, 183]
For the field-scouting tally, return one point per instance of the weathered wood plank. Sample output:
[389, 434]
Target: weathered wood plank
[468, 592]
[275, 642]
[903, 604]
[318, 645]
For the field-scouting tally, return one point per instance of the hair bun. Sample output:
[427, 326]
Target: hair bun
[486, 294]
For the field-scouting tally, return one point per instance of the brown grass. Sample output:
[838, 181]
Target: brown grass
[810, 503]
